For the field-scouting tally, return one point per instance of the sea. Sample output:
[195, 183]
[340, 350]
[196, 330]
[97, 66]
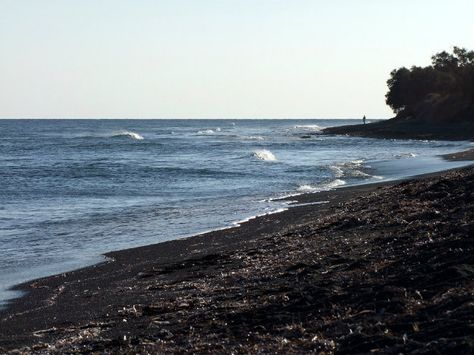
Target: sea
[71, 190]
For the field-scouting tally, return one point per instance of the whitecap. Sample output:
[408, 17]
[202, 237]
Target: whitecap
[337, 171]
[322, 187]
[253, 138]
[405, 155]
[335, 183]
[306, 188]
[309, 127]
[128, 134]
[349, 169]
[264, 154]
[358, 173]
[206, 131]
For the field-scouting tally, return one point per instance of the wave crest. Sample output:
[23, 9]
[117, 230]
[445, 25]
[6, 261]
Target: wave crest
[306, 188]
[352, 169]
[128, 134]
[264, 154]
[206, 132]
[323, 187]
[405, 155]
[309, 127]
[253, 138]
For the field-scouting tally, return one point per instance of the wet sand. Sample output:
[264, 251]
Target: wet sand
[378, 268]
[460, 156]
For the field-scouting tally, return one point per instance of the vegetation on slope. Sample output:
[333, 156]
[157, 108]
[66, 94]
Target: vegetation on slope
[443, 91]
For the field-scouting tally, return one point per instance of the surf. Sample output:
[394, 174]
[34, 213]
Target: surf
[128, 134]
[264, 154]
[305, 188]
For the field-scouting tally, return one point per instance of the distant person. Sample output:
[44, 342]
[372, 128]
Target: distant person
[363, 119]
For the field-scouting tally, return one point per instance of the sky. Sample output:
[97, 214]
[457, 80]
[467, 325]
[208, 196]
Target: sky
[216, 58]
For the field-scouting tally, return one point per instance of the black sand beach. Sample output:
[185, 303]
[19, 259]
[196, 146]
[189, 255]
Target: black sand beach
[378, 268]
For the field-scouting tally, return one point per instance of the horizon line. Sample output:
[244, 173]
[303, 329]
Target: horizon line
[190, 118]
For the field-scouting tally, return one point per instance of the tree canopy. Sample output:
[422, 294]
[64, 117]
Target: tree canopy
[442, 91]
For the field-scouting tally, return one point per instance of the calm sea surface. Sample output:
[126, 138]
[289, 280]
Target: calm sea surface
[73, 189]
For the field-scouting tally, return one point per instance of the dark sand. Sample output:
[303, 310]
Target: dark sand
[380, 268]
[460, 156]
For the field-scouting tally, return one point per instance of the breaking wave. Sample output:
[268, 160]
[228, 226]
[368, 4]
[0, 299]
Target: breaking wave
[253, 138]
[128, 134]
[353, 169]
[306, 188]
[264, 154]
[405, 155]
[206, 132]
[113, 134]
[309, 127]
[349, 169]
[322, 187]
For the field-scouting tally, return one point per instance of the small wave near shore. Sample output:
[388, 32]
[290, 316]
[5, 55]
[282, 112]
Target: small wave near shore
[306, 188]
[112, 184]
[352, 169]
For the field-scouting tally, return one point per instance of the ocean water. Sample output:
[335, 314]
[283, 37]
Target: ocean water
[71, 190]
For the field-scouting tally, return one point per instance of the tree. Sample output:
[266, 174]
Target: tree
[464, 57]
[398, 84]
[450, 78]
[444, 60]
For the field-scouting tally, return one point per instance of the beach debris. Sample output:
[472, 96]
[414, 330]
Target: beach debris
[42, 332]
[390, 271]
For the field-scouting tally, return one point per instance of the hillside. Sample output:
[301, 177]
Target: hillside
[433, 102]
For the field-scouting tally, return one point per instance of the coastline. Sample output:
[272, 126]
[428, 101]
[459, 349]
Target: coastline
[406, 129]
[94, 300]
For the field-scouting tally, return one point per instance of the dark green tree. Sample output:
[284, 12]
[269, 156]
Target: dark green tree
[450, 79]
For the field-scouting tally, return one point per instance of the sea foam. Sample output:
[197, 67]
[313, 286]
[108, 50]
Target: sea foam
[264, 154]
[128, 134]
[252, 138]
[352, 168]
[405, 155]
[322, 187]
[309, 127]
[206, 132]
[306, 188]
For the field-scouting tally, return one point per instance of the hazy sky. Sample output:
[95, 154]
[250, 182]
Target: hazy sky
[216, 58]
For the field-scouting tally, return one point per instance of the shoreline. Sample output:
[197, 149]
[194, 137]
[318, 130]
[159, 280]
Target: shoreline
[65, 297]
[84, 260]
[304, 199]
[405, 129]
